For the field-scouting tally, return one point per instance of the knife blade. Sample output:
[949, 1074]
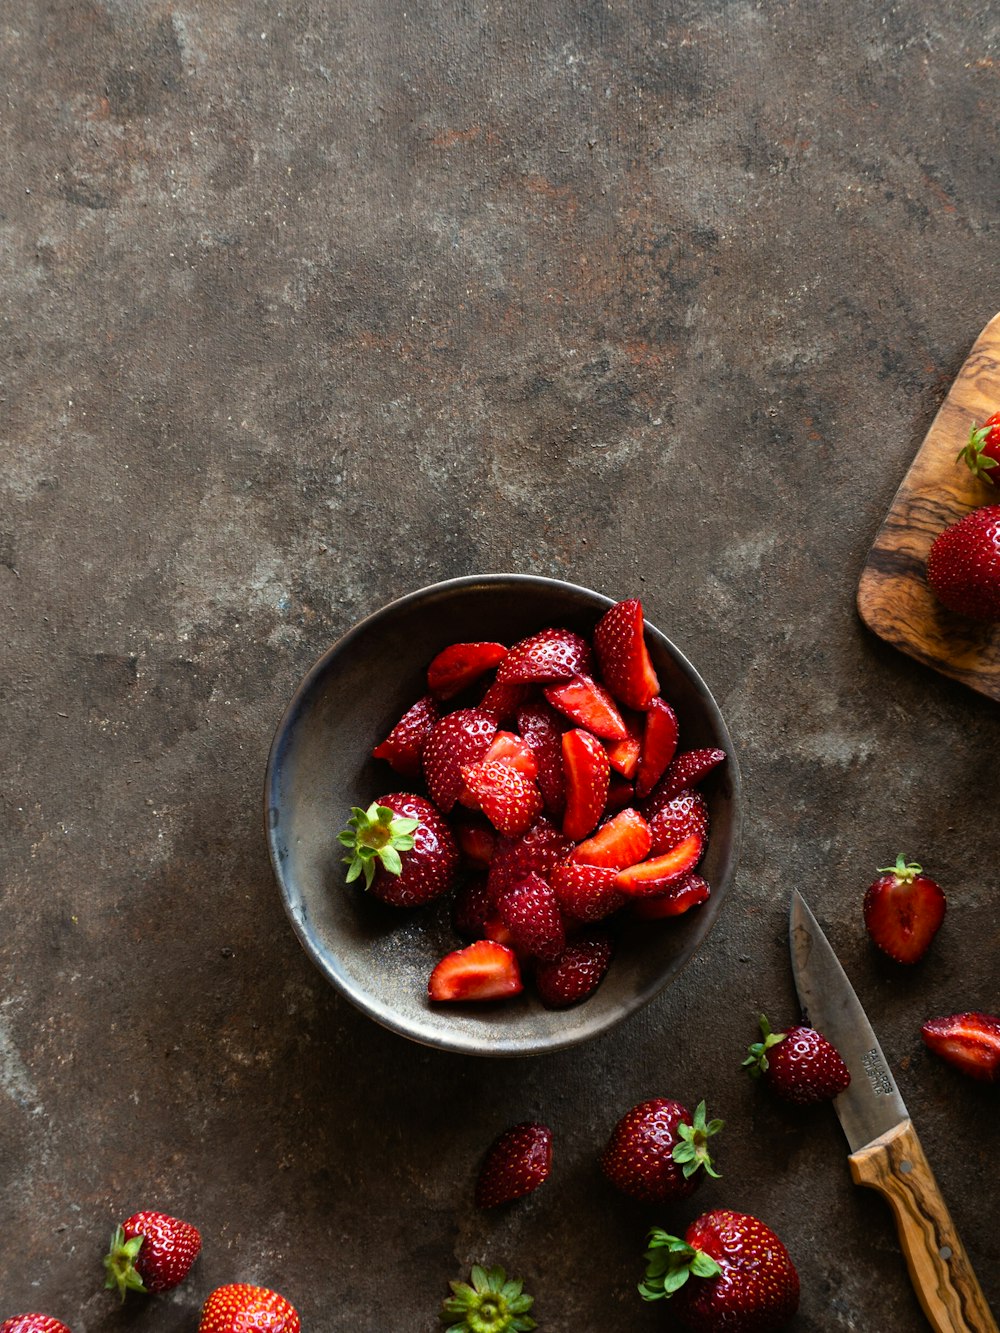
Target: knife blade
[886, 1154]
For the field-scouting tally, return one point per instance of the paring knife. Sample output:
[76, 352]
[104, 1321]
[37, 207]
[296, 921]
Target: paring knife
[885, 1152]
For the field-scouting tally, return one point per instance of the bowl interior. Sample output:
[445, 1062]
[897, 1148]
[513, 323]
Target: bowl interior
[320, 766]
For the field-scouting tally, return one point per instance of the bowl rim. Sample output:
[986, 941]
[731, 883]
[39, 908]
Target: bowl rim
[469, 582]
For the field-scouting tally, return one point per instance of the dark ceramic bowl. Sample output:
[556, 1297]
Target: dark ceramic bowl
[320, 766]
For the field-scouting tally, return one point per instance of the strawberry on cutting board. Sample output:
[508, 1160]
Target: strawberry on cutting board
[903, 911]
[150, 1252]
[981, 453]
[729, 1274]
[963, 568]
[241, 1308]
[518, 1161]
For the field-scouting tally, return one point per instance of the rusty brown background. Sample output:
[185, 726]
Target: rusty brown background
[307, 304]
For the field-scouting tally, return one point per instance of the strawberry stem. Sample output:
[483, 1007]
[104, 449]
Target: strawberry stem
[375, 837]
[670, 1261]
[905, 871]
[492, 1304]
[692, 1151]
[971, 453]
[120, 1263]
[756, 1062]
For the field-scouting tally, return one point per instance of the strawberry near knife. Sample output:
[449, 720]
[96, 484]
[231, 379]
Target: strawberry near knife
[885, 1152]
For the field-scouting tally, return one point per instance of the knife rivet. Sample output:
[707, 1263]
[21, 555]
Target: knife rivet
[945, 1251]
[906, 1167]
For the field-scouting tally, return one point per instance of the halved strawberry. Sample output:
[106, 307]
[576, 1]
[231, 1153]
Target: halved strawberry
[621, 841]
[530, 911]
[462, 737]
[585, 761]
[484, 970]
[404, 745]
[540, 726]
[576, 973]
[687, 770]
[460, 664]
[620, 645]
[657, 874]
[659, 745]
[551, 654]
[676, 818]
[509, 800]
[680, 897]
[589, 705]
[903, 910]
[534, 852]
[585, 892]
[970, 1042]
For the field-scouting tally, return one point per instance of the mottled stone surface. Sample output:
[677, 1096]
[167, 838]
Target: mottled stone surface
[308, 304]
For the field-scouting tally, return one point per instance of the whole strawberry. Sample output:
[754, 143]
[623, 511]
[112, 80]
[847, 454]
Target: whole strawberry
[493, 1303]
[963, 568]
[150, 1252]
[981, 453]
[730, 1274]
[800, 1065]
[657, 1149]
[240, 1308]
[33, 1323]
[403, 847]
[903, 910]
[518, 1161]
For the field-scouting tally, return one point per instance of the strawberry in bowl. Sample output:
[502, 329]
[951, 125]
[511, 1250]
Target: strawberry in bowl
[546, 728]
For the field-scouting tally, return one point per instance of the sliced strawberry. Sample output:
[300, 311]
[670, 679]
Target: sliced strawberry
[620, 794]
[509, 800]
[576, 973]
[620, 645]
[462, 737]
[404, 745]
[589, 705]
[502, 699]
[508, 748]
[676, 818]
[476, 838]
[585, 761]
[470, 908]
[460, 664]
[624, 755]
[680, 897]
[540, 727]
[534, 852]
[903, 910]
[484, 970]
[517, 1163]
[659, 745]
[657, 874]
[970, 1042]
[530, 911]
[551, 654]
[621, 841]
[585, 892]
[687, 770]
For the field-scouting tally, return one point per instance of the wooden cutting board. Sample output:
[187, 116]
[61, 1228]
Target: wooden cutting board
[893, 597]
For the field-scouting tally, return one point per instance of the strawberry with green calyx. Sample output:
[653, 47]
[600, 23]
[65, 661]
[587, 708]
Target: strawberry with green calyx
[981, 452]
[150, 1252]
[658, 1151]
[492, 1304]
[903, 910]
[403, 848]
[800, 1065]
[729, 1273]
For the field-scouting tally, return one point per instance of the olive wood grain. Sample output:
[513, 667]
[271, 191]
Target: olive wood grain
[893, 597]
[940, 1271]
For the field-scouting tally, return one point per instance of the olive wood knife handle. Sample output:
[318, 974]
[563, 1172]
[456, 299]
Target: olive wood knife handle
[942, 1276]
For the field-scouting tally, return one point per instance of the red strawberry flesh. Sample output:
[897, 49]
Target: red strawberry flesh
[969, 1041]
[685, 893]
[458, 665]
[659, 745]
[587, 776]
[659, 872]
[518, 1162]
[484, 970]
[589, 705]
[903, 911]
[622, 841]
